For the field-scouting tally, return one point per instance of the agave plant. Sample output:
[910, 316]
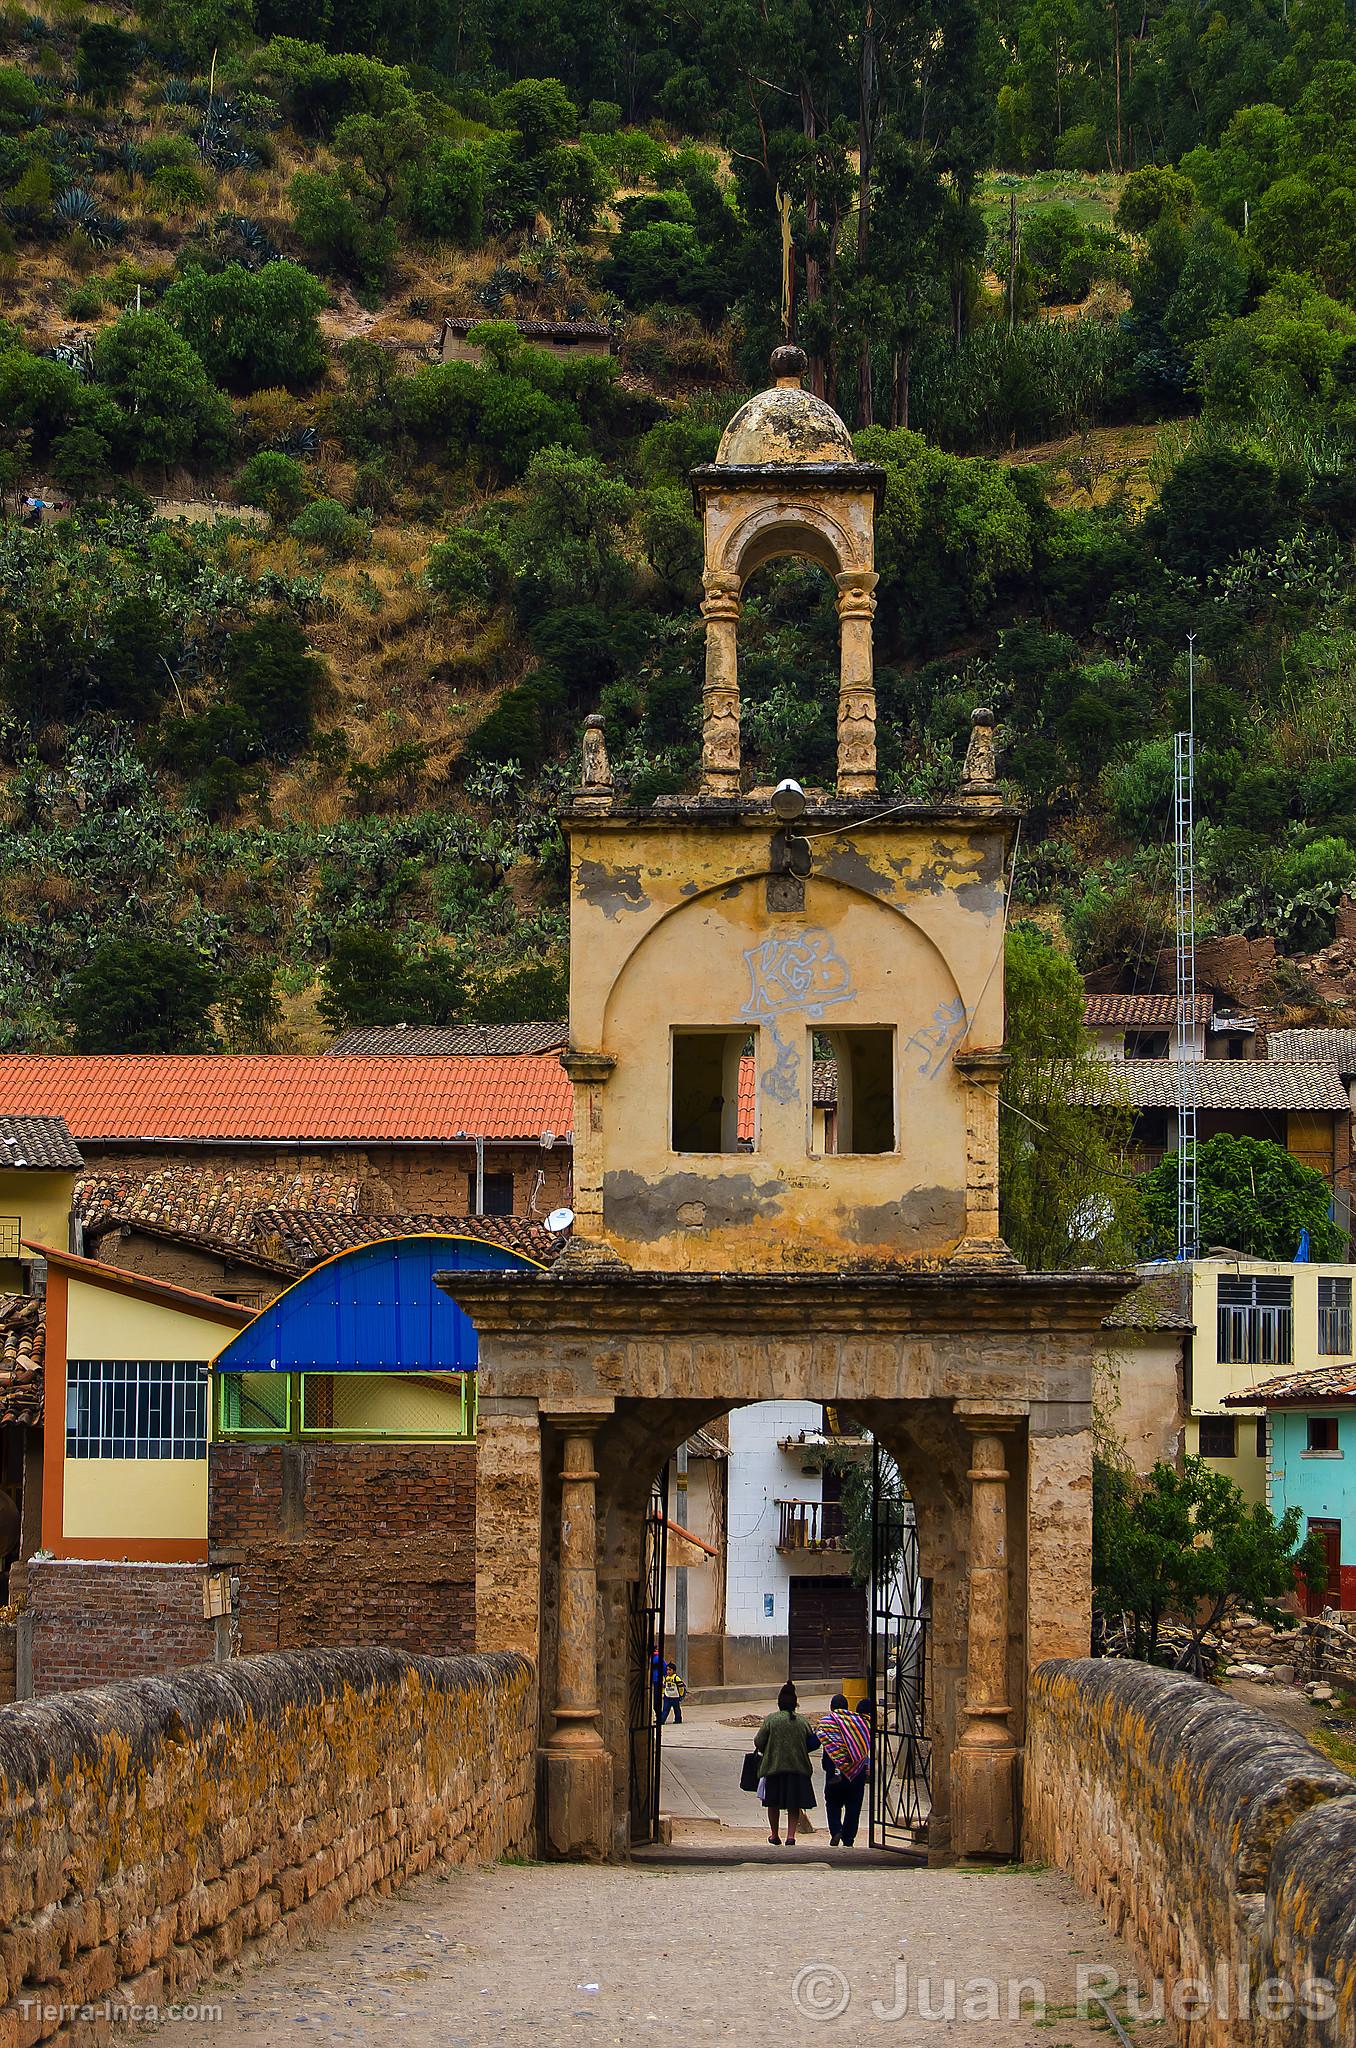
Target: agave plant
[77, 208]
[177, 92]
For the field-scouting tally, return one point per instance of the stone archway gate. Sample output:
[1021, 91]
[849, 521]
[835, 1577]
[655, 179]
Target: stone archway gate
[978, 1383]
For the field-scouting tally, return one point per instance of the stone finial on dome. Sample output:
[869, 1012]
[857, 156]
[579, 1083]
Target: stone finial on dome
[786, 424]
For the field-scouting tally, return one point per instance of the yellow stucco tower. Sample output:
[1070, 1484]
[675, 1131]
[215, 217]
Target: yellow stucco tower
[719, 942]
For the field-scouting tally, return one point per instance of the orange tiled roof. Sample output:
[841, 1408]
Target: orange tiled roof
[289, 1097]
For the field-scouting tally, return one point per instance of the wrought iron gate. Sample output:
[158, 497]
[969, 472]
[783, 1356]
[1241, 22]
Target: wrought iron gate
[901, 1601]
[647, 1644]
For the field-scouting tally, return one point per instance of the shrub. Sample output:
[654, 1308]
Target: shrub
[275, 482]
[275, 681]
[469, 569]
[1216, 503]
[105, 59]
[327, 524]
[370, 978]
[180, 188]
[254, 329]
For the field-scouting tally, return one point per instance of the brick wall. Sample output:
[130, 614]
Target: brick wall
[1217, 1841]
[346, 1543]
[92, 1622]
[155, 1832]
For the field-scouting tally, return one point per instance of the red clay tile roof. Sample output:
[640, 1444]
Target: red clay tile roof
[1138, 1013]
[1310, 1387]
[306, 1237]
[289, 1097]
[377, 1041]
[23, 1338]
[209, 1200]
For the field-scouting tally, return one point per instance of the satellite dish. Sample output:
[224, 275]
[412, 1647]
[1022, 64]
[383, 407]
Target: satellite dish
[560, 1219]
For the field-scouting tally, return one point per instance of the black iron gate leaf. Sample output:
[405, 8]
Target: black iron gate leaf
[901, 1759]
[646, 1644]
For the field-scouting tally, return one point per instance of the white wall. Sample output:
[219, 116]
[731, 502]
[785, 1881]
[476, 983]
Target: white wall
[758, 1475]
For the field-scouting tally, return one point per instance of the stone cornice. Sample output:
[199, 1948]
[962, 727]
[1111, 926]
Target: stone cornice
[617, 1300]
[824, 812]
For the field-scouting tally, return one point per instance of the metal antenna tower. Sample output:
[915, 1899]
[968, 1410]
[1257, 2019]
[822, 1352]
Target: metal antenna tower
[1184, 850]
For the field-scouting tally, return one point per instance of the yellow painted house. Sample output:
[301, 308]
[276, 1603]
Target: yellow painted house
[39, 1160]
[126, 1417]
[1252, 1319]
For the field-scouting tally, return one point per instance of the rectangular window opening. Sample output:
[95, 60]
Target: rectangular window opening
[1323, 1433]
[136, 1408]
[498, 1195]
[1218, 1436]
[1334, 1318]
[1255, 1320]
[707, 1070]
[1261, 1436]
[864, 1072]
[1146, 1045]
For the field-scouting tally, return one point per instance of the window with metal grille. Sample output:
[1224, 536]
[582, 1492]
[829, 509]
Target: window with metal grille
[1255, 1320]
[1334, 1317]
[9, 1237]
[1218, 1436]
[136, 1408]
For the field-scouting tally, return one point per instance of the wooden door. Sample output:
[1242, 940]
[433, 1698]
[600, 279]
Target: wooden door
[1331, 1596]
[827, 1632]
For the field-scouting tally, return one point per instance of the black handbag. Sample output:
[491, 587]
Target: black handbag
[752, 1771]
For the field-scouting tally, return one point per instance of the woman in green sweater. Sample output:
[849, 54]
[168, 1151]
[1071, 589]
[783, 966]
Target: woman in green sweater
[785, 1743]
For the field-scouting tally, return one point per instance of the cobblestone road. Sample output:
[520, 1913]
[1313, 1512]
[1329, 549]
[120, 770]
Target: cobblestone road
[562, 1956]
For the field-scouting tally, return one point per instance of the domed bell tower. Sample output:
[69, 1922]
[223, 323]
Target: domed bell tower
[786, 1005]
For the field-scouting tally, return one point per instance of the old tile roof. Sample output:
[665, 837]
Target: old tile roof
[478, 1041]
[306, 1236]
[1318, 1046]
[209, 1200]
[41, 1142]
[290, 1098]
[105, 1236]
[1314, 1385]
[1138, 1013]
[1219, 1084]
[23, 1339]
[537, 330]
[1160, 1300]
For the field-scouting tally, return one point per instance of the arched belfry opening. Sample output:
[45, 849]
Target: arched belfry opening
[786, 481]
[786, 1044]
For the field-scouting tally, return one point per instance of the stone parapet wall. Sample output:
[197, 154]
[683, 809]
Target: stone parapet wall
[154, 1831]
[1217, 1842]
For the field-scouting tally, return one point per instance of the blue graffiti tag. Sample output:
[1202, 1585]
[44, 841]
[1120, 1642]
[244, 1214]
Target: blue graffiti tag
[949, 1025]
[806, 974]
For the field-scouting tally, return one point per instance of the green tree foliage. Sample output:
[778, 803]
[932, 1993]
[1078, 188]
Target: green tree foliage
[142, 994]
[167, 408]
[1255, 1197]
[370, 978]
[337, 222]
[249, 1012]
[331, 527]
[1066, 1196]
[1186, 1546]
[251, 329]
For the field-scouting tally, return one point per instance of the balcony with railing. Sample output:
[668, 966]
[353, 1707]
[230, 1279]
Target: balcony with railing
[811, 1525]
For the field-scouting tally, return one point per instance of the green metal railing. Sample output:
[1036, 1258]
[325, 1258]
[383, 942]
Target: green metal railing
[346, 1407]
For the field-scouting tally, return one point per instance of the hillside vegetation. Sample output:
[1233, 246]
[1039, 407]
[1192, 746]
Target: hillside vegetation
[291, 681]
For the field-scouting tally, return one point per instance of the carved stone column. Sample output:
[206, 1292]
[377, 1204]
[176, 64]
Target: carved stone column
[984, 1763]
[720, 693]
[857, 683]
[576, 1769]
[981, 1073]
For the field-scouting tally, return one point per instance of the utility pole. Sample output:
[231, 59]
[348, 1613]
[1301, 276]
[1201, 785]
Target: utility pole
[1184, 863]
[1012, 260]
[680, 1571]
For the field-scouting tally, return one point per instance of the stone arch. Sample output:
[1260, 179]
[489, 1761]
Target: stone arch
[807, 529]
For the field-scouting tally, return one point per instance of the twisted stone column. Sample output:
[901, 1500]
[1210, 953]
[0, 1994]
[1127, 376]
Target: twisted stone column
[576, 1778]
[720, 692]
[857, 683]
[984, 1782]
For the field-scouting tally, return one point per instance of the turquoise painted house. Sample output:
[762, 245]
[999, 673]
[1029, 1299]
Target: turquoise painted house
[1311, 1464]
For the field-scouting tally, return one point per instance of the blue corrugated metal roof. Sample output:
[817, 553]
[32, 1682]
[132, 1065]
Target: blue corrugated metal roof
[375, 1308]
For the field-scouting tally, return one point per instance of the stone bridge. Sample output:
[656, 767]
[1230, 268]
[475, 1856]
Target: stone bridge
[159, 1832]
